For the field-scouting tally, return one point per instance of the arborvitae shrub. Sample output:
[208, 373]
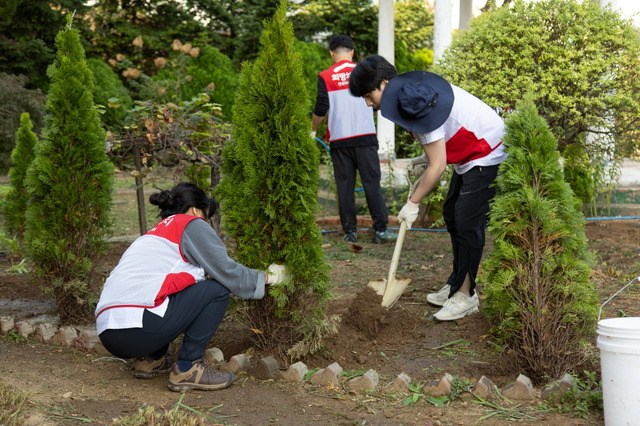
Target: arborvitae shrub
[15, 204]
[69, 184]
[539, 298]
[269, 189]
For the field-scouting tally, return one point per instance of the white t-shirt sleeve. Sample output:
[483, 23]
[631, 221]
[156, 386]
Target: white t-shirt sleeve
[427, 138]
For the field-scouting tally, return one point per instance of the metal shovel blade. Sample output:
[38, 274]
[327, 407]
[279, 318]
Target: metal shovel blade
[390, 294]
[391, 289]
[379, 286]
[394, 292]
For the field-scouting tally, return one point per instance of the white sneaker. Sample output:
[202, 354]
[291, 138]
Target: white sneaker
[458, 306]
[440, 297]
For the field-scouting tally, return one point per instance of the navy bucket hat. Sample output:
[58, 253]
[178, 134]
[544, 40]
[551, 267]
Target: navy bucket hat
[419, 101]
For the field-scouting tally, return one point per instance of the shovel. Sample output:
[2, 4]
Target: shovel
[391, 288]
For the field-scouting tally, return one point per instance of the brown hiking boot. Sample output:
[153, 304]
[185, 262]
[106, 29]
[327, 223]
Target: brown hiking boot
[199, 376]
[147, 368]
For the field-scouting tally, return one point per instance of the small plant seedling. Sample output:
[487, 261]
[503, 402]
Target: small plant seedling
[415, 390]
[14, 336]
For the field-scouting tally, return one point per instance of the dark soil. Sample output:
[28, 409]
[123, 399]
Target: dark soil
[68, 385]
[366, 313]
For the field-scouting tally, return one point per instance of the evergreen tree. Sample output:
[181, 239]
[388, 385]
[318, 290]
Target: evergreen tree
[15, 204]
[539, 298]
[69, 183]
[268, 191]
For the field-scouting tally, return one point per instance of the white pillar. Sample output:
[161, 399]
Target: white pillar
[441, 28]
[386, 137]
[466, 13]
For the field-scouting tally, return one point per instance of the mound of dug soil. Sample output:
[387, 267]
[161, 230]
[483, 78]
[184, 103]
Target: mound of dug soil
[366, 313]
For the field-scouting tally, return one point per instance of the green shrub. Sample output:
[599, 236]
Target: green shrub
[539, 298]
[208, 71]
[69, 184]
[580, 62]
[405, 60]
[14, 100]
[269, 190]
[316, 59]
[578, 171]
[15, 203]
[211, 66]
[414, 25]
[110, 93]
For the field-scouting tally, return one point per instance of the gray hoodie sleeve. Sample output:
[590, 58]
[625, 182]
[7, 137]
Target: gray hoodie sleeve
[202, 247]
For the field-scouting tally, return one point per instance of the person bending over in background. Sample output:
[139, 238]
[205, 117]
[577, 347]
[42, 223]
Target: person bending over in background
[453, 127]
[351, 134]
[173, 280]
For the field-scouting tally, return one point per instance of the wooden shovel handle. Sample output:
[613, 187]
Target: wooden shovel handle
[396, 256]
[391, 278]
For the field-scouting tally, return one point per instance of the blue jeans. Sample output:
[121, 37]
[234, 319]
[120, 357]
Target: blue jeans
[195, 312]
[465, 214]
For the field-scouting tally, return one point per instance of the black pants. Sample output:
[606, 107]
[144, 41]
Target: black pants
[195, 311]
[366, 161]
[465, 213]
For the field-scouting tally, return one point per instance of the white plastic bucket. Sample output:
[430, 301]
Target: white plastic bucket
[619, 343]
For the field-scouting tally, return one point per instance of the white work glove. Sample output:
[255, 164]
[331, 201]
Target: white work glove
[417, 166]
[276, 274]
[409, 213]
[415, 169]
[313, 134]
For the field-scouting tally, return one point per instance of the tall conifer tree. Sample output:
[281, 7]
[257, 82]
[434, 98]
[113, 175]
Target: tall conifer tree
[69, 183]
[269, 189]
[15, 204]
[539, 297]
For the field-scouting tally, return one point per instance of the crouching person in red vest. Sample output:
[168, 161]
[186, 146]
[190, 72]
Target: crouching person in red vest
[173, 280]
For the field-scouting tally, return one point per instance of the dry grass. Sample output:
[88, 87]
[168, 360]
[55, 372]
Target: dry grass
[12, 403]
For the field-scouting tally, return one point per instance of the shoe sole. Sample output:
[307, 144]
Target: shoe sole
[436, 302]
[138, 374]
[188, 386]
[469, 312]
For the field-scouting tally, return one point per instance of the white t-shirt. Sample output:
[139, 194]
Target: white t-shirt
[472, 133]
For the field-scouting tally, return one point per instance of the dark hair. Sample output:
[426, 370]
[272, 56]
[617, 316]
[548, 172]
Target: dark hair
[340, 40]
[181, 198]
[368, 74]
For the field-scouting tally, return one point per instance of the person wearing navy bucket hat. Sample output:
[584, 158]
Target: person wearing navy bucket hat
[453, 127]
[423, 99]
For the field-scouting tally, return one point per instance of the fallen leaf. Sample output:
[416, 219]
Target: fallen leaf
[355, 248]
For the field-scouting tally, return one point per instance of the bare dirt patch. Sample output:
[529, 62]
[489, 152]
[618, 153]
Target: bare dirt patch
[77, 387]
